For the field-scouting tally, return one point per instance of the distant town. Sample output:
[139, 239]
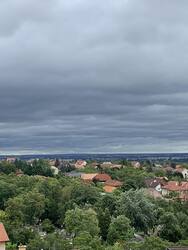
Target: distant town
[123, 204]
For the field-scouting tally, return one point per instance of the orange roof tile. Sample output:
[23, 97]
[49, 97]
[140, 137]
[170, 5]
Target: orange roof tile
[176, 186]
[109, 189]
[102, 177]
[113, 183]
[88, 177]
[3, 234]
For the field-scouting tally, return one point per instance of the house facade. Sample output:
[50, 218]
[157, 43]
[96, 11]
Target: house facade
[80, 164]
[3, 237]
[178, 189]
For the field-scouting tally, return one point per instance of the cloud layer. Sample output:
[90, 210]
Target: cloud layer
[93, 76]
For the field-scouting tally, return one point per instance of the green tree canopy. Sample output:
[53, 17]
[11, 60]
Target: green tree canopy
[120, 230]
[81, 220]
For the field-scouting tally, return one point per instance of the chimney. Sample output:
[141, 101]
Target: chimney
[22, 247]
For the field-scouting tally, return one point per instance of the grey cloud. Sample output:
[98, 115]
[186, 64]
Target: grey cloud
[79, 75]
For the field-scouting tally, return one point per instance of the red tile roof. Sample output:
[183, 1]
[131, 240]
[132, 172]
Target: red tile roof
[3, 234]
[109, 189]
[102, 177]
[113, 183]
[88, 177]
[176, 186]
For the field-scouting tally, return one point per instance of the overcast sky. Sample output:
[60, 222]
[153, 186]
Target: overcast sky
[93, 76]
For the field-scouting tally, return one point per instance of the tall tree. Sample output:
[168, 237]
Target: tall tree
[81, 220]
[120, 230]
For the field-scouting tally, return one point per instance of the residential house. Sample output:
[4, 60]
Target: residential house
[180, 189]
[106, 164]
[136, 164]
[112, 185]
[88, 178]
[169, 170]
[80, 164]
[102, 178]
[22, 247]
[116, 166]
[156, 183]
[3, 237]
[52, 162]
[11, 159]
[110, 165]
[94, 164]
[182, 171]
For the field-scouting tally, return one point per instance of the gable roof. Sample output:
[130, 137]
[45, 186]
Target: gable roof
[88, 177]
[176, 186]
[180, 170]
[113, 183]
[102, 177]
[154, 182]
[3, 234]
[109, 189]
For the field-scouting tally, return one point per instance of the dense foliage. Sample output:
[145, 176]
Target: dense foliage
[60, 212]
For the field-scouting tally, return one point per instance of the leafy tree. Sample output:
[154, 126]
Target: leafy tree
[65, 166]
[116, 246]
[154, 243]
[108, 201]
[120, 230]
[7, 167]
[170, 230]
[7, 190]
[20, 233]
[10, 246]
[52, 190]
[81, 220]
[138, 208]
[84, 194]
[104, 222]
[47, 226]
[26, 208]
[84, 241]
[183, 222]
[51, 241]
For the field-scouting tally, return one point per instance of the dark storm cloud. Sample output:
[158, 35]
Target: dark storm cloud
[79, 75]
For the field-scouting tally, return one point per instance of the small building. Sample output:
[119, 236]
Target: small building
[135, 164]
[3, 237]
[102, 178]
[95, 164]
[109, 189]
[155, 183]
[111, 185]
[11, 159]
[88, 178]
[180, 189]
[106, 164]
[182, 171]
[22, 247]
[80, 164]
